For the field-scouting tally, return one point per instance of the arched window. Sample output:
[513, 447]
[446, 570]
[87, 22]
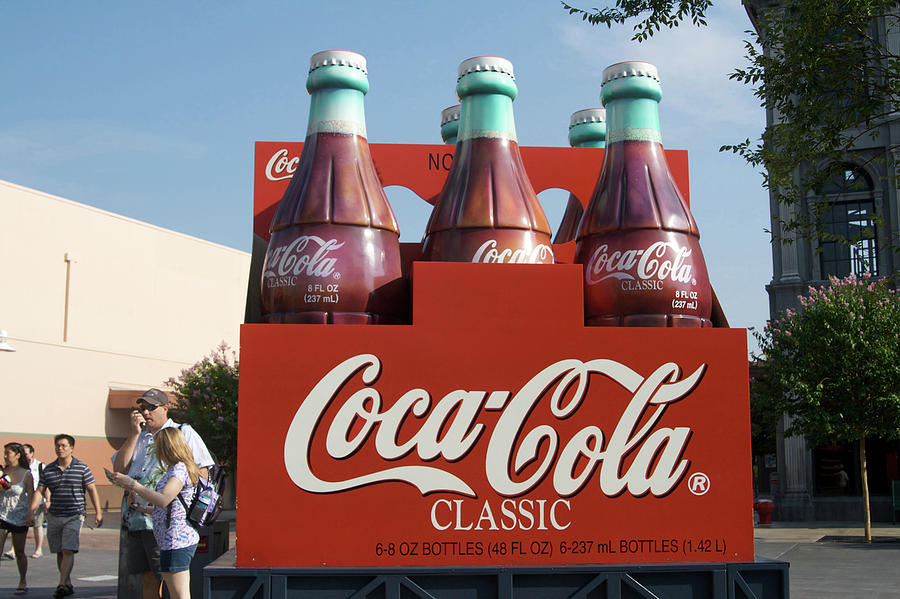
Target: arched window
[848, 242]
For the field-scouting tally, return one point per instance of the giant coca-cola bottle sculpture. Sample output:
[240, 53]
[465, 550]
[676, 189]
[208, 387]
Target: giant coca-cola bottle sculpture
[334, 254]
[637, 240]
[587, 129]
[487, 210]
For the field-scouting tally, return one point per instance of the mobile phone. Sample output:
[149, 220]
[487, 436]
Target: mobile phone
[109, 475]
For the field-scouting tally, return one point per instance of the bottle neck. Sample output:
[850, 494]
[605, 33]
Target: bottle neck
[337, 110]
[450, 132]
[632, 119]
[588, 135]
[487, 115]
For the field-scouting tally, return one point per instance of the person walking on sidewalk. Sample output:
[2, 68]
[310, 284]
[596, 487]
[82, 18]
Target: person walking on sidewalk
[36, 467]
[15, 497]
[66, 479]
[138, 459]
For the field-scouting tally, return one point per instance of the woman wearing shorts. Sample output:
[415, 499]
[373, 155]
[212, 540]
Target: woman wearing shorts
[176, 538]
[15, 495]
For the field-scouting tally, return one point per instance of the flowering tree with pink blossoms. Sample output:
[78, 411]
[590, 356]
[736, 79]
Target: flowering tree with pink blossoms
[207, 400]
[834, 367]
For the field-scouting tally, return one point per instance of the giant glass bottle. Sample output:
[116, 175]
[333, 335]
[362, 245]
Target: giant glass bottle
[587, 129]
[637, 240]
[487, 210]
[334, 253]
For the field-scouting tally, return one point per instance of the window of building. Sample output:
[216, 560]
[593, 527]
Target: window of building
[849, 244]
[836, 468]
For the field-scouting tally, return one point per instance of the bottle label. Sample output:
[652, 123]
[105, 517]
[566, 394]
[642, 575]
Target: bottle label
[644, 268]
[332, 268]
[489, 252]
[306, 255]
[644, 272]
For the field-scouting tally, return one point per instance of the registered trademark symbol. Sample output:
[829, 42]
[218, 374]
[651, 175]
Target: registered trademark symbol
[337, 275]
[698, 484]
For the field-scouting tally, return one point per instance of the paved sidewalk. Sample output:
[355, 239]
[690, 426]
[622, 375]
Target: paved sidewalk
[826, 569]
[819, 570]
[94, 575]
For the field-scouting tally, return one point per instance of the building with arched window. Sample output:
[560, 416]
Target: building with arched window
[858, 232]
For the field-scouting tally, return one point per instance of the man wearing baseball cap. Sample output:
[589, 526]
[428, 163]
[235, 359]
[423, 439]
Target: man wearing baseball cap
[137, 459]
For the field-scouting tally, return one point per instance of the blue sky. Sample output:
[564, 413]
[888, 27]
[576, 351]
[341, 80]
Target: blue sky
[150, 110]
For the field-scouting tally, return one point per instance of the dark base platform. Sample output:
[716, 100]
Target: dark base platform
[761, 579]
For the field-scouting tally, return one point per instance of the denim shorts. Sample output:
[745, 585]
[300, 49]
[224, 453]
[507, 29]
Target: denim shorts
[176, 560]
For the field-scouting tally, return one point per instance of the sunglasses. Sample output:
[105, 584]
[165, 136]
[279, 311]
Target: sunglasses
[146, 407]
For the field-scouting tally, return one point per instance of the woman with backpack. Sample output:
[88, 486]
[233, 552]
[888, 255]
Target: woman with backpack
[176, 537]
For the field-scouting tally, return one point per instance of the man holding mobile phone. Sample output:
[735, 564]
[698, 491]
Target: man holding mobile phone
[137, 458]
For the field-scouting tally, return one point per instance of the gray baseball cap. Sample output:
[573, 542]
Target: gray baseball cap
[154, 397]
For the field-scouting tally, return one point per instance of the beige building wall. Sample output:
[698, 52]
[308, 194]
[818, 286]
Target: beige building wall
[94, 301]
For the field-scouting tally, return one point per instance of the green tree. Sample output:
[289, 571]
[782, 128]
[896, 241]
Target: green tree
[207, 400]
[821, 66]
[834, 367]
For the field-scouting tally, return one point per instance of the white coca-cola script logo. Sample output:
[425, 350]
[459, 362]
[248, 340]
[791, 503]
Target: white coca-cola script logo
[662, 260]
[489, 253]
[449, 430]
[281, 167]
[307, 255]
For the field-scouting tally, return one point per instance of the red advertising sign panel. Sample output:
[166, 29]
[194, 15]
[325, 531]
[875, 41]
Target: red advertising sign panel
[496, 429]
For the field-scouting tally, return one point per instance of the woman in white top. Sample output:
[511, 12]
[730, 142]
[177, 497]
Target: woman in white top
[16, 487]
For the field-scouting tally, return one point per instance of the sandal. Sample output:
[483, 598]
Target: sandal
[37, 555]
[21, 590]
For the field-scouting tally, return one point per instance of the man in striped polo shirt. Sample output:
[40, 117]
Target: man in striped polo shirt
[67, 479]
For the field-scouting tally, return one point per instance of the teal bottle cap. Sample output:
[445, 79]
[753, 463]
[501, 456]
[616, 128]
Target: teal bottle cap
[448, 115]
[481, 64]
[587, 128]
[632, 68]
[633, 79]
[450, 124]
[588, 115]
[337, 69]
[343, 58]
